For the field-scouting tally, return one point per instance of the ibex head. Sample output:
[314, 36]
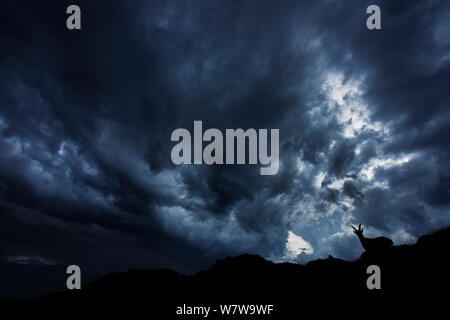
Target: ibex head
[358, 231]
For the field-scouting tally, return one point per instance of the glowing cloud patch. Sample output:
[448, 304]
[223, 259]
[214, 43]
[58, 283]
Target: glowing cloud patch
[368, 171]
[295, 245]
[345, 99]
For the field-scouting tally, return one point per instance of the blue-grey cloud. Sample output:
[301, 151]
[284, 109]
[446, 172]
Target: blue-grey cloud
[86, 118]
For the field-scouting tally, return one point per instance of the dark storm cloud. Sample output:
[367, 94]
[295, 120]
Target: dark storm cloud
[351, 190]
[86, 118]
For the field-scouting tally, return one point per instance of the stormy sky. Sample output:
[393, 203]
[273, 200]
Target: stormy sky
[86, 116]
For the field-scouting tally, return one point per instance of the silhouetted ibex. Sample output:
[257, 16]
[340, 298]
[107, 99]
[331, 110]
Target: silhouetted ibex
[372, 244]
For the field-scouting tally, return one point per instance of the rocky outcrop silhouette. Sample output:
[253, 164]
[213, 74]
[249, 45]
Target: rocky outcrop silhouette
[412, 276]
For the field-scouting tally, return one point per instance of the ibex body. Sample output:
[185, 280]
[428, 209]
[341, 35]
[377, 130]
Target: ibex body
[372, 244]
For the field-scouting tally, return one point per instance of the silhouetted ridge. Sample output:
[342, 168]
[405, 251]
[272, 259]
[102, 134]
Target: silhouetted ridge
[244, 262]
[415, 272]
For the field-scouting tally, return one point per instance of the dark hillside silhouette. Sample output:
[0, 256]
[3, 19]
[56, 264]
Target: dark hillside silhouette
[412, 277]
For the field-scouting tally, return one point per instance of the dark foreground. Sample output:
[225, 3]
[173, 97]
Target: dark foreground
[413, 277]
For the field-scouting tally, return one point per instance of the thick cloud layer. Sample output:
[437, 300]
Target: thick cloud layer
[86, 118]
